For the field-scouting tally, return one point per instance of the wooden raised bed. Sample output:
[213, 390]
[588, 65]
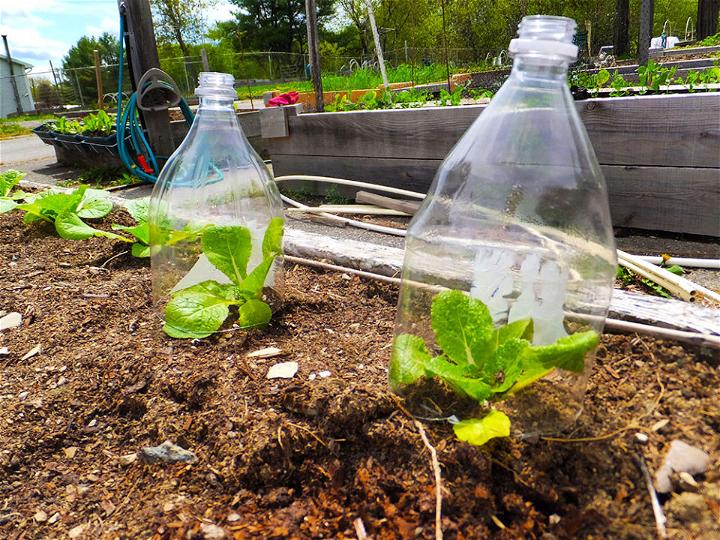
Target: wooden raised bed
[660, 154]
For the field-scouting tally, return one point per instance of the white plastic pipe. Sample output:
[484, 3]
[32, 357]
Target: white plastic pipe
[683, 261]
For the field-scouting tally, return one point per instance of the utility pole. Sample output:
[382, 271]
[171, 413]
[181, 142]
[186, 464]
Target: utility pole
[18, 104]
[314, 52]
[647, 11]
[142, 55]
[98, 79]
[378, 47]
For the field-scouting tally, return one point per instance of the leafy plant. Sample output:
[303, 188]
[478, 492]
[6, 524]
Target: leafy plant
[8, 180]
[67, 211]
[480, 361]
[98, 124]
[200, 310]
[448, 98]
[619, 85]
[139, 210]
[653, 76]
[66, 127]
[628, 277]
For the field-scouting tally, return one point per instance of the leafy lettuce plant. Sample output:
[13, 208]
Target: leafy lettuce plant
[139, 209]
[480, 361]
[201, 309]
[67, 211]
[8, 180]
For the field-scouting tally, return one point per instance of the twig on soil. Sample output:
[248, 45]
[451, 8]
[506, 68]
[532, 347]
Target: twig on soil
[360, 529]
[309, 432]
[657, 509]
[113, 258]
[438, 481]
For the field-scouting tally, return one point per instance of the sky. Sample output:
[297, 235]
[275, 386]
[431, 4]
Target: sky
[42, 30]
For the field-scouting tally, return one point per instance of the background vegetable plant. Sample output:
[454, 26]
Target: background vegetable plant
[480, 361]
[201, 309]
[8, 180]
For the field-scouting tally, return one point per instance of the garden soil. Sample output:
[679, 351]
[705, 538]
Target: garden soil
[89, 379]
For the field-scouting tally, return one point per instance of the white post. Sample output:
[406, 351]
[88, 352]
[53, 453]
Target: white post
[378, 48]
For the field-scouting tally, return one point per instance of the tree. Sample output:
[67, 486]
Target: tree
[79, 61]
[621, 43]
[275, 25]
[707, 18]
[180, 21]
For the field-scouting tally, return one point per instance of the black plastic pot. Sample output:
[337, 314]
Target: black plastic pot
[100, 145]
[46, 136]
[71, 142]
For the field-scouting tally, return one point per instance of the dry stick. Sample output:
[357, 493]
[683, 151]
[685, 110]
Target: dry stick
[113, 258]
[657, 509]
[438, 481]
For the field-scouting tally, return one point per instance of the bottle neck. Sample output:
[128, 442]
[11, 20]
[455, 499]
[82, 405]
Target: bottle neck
[216, 103]
[542, 70]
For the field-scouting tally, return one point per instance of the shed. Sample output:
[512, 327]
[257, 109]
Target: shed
[7, 95]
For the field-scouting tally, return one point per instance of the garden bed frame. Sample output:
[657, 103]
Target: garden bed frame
[659, 153]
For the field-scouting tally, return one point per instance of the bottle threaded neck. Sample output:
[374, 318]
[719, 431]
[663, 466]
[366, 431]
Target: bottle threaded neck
[218, 85]
[545, 35]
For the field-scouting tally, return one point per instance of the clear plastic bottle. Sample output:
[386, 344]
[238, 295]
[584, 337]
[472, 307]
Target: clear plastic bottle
[517, 220]
[215, 223]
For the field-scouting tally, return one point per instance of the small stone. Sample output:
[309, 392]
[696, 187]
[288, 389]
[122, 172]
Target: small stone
[312, 376]
[641, 438]
[554, 519]
[23, 395]
[346, 277]
[689, 507]
[267, 352]
[657, 426]
[687, 482]
[167, 452]
[128, 459]
[168, 507]
[32, 352]
[680, 458]
[211, 531]
[92, 423]
[76, 532]
[70, 452]
[233, 517]
[11, 320]
[324, 374]
[40, 516]
[54, 518]
[4, 351]
[285, 370]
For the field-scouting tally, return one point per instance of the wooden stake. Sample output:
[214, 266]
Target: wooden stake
[204, 58]
[378, 46]
[314, 52]
[647, 10]
[13, 82]
[98, 79]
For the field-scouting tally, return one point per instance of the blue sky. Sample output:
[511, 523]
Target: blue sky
[43, 30]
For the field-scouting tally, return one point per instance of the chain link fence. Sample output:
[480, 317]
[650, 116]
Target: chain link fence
[77, 87]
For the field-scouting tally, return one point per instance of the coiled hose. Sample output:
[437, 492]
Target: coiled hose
[138, 155]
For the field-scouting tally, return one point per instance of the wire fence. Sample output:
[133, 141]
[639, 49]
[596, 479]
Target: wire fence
[77, 87]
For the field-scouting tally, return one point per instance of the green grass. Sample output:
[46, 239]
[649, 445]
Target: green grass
[360, 79]
[9, 130]
[26, 118]
[102, 177]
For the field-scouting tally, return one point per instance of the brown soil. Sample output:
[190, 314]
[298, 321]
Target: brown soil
[309, 456]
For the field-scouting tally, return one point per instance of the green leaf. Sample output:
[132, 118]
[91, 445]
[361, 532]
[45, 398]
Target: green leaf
[53, 203]
[272, 241]
[463, 327]
[254, 313]
[7, 204]
[140, 231]
[566, 353]
[478, 431]
[198, 311]
[521, 329]
[503, 370]
[456, 377]
[408, 361]
[139, 209]
[8, 180]
[94, 205]
[140, 250]
[676, 269]
[228, 249]
[252, 285]
[71, 227]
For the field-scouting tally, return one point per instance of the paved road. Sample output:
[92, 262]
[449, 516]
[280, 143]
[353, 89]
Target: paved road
[32, 156]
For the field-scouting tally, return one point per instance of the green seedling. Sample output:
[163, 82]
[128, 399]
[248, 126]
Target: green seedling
[200, 310]
[8, 180]
[66, 212]
[139, 210]
[480, 361]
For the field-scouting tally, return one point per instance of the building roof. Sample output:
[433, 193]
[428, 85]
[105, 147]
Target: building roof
[16, 61]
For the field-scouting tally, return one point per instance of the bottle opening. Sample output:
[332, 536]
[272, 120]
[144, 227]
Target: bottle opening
[216, 85]
[545, 35]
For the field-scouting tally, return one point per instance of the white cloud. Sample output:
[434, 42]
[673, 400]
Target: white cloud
[107, 24]
[29, 45]
[222, 11]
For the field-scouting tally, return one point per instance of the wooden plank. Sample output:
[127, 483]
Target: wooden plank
[273, 122]
[411, 174]
[387, 261]
[408, 207]
[667, 130]
[671, 199]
